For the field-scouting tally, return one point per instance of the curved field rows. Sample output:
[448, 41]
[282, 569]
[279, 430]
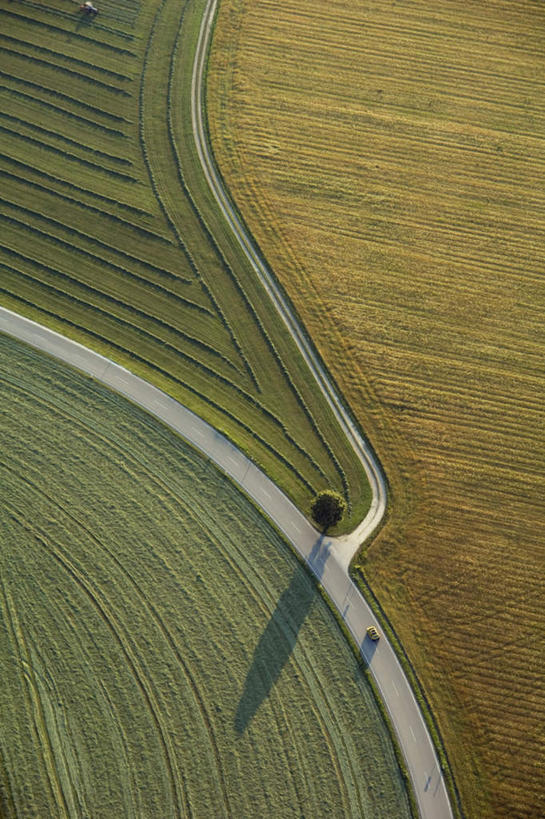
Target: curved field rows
[163, 654]
[102, 239]
[389, 159]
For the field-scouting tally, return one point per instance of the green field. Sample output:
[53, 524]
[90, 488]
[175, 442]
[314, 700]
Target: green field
[163, 653]
[109, 235]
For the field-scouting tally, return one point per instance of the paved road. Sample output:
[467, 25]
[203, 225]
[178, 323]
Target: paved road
[327, 557]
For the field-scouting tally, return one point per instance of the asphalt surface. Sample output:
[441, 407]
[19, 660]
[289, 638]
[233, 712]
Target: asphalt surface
[325, 556]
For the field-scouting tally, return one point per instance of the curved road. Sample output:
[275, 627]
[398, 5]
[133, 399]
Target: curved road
[325, 556]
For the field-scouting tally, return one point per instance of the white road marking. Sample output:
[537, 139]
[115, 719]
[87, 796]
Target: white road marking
[412, 732]
[264, 492]
[294, 526]
[395, 688]
[232, 460]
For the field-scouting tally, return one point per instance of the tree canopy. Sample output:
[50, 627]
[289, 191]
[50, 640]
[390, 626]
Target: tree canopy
[327, 508]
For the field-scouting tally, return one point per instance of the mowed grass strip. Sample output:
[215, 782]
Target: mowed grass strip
[390, 162]
[163, 652]
[108, 233]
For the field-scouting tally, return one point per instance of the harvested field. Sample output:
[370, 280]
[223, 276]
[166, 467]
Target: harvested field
[163, 653]
[390, 161]
[107, 233]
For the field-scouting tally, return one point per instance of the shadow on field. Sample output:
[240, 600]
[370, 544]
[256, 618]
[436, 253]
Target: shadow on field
[367, 648]
[83, 20]
[278, 640]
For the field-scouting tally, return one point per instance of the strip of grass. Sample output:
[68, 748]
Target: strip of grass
[108, 234]
[163, 653]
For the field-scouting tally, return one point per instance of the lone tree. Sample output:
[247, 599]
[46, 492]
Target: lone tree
[327, 508]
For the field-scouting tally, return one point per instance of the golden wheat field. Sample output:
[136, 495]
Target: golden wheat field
[390, 160]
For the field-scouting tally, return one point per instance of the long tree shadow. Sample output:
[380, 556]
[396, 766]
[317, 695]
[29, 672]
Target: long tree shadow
[278, 640]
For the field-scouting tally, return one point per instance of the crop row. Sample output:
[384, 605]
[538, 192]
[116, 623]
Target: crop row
[90, 291]
[67, 155]
[217, 334]
[39, 89]
[23, 46]
[83, 192]
[122, 272]
[219, 311]
[162, 273]
[304, 406]
[94, 296]
[227, 269]
[33, 20]
[89, 149]
[173, 224]
[218, 254]
[57, 109]
[74, 203]
[80, 76]
[106, 307]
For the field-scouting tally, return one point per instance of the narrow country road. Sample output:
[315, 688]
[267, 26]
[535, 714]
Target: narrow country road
[330, 561]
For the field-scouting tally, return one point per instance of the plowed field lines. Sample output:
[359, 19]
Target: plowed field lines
[25, 46]
[28, 168]
[147, 604]
[96, 153]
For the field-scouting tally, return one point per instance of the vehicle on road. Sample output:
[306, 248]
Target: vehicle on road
[373, 634]
[88, 8]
